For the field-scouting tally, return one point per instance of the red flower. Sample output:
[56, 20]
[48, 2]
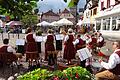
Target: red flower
[77, 75]
[66, 79]
[100, 54]
[56, 78]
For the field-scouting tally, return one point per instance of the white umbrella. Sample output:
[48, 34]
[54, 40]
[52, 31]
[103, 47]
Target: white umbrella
[44, 23]
[54, 23]
[64, 22]
[12, 23]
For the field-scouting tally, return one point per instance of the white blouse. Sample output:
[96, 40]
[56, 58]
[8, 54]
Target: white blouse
[114, 59]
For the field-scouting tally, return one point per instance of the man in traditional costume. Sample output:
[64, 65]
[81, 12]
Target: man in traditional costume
[113, 65]
[8, 49]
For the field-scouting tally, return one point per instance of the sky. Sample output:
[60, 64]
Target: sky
[55, 5]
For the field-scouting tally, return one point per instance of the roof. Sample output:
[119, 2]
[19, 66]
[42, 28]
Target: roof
[51, 13]
[66, 11]
[11, 23]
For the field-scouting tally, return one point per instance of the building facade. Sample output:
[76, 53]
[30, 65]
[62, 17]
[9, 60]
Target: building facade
[49, 16]
[90, 13]
[67, 14]
[108, 15]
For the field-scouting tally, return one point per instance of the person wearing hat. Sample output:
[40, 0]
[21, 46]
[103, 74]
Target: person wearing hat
[49, 48]
[69, 49]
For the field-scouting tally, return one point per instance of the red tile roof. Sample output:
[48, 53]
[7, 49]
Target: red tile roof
[50, 13]
[66, 11]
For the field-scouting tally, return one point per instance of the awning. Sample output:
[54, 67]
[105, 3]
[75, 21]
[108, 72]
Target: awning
[14, 23]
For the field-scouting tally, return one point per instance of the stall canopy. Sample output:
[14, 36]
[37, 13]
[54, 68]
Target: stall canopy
[44, 23]
[64, 22]
[14, 23]
[54, 23]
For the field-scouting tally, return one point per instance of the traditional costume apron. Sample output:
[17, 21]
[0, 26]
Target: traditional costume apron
[69, 50]
[31, 47]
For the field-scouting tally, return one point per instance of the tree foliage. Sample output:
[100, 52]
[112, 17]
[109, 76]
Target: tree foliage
[17, 8]
[72, 3]
[29, 20]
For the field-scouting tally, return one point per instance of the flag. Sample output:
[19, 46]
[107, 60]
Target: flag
[73, 3]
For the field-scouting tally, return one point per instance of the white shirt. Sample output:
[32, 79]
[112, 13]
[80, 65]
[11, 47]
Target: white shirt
[1, 23]
[67, 37]
[76, 41]
[114, 59]
[10, 48]
[100, 39]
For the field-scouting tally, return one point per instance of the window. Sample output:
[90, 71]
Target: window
[117, 1]
[108, 3]
[95, 11]
[102, 5]
[98, 24]
[91, 12]
[106, 24]
[114, 27]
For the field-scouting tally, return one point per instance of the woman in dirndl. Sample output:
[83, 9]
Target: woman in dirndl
[49, 48]
[31, 47]
[69, 49]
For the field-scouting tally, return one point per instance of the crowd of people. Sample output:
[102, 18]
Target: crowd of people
[69, 43]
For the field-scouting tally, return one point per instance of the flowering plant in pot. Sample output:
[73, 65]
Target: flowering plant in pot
[77, 73]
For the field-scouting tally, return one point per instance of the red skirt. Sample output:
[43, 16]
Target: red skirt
[69, 52]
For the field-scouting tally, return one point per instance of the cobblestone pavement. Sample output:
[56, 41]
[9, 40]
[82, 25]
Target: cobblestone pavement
[5, 72]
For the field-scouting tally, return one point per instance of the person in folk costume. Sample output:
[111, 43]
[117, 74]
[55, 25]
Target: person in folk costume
[49, 48]
[58, 43]
[100, 40]
[88, 61]
[10, 50]
[69, 49]
[93, 42]
[112, 66]
[79, 43]
[31, 46]
[39, 34]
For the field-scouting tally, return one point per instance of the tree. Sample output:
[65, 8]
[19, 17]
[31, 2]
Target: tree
[29, 20]
[72, 3]
[17, 8]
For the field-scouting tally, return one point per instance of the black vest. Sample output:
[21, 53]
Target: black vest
[116, 70]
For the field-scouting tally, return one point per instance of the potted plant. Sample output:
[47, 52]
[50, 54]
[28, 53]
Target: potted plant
[71, 73]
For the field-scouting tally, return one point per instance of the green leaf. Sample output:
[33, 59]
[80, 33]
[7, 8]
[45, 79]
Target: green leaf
[73, 3]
